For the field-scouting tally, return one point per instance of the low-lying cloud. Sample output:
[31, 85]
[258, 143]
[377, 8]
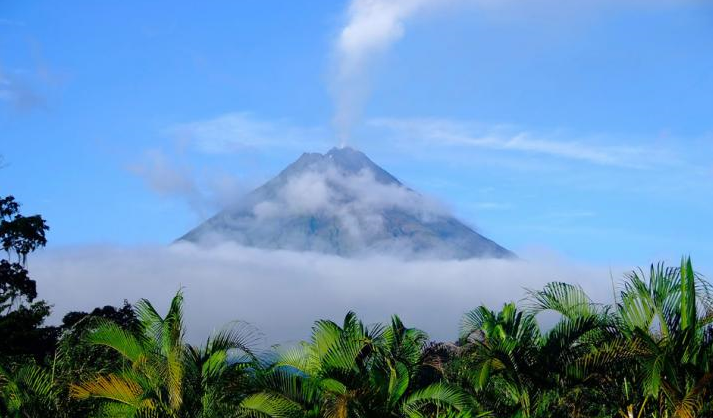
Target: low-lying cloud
[283, 292]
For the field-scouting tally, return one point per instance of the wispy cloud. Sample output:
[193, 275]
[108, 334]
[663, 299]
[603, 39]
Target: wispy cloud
[446, 132]
[491, 206]
[572, 214]
[168, 177]
[171, 171]
[11, 22]
[28, 88]
[238, 131]
[17, 93]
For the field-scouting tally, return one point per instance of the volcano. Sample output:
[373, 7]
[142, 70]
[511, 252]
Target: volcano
[342, 203]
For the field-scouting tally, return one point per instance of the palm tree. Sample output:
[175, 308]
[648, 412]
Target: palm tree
[668, 317]
[153, 381]
[218, 373]
[500, 352]
[521, 371]
[27, 391]
[350, 370]
[164, 376]
[655, 348]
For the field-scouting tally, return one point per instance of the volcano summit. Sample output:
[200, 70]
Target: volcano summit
[342, 203]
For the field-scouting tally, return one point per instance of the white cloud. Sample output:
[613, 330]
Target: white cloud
[238, 131]
[283, 292]
[444, 132]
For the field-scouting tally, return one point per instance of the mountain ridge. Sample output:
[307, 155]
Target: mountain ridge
[343, 203]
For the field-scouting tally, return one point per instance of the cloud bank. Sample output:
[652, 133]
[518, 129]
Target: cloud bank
[283, 292]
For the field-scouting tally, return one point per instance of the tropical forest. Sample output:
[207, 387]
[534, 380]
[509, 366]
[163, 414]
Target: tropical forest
[648, 354]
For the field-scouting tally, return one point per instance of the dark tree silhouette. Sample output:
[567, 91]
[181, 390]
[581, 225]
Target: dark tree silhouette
[21, 317]
[123, 316]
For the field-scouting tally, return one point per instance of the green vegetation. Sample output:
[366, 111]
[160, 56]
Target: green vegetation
[649, 354]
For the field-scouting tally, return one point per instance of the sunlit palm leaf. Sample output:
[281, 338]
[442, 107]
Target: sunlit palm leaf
[113, 336]
[269, 405]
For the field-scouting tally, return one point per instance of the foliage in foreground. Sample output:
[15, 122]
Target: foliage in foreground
[649, 354]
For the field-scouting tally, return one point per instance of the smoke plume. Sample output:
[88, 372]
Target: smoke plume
[372, 27]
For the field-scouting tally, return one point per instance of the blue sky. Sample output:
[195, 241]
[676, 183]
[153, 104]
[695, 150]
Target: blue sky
[583, 130]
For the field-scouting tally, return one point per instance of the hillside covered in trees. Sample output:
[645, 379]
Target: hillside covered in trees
[649, 354]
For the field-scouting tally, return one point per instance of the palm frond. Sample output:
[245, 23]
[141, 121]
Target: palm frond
[569, 300]
[438, 394]
[269, 405]
[111, 335]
